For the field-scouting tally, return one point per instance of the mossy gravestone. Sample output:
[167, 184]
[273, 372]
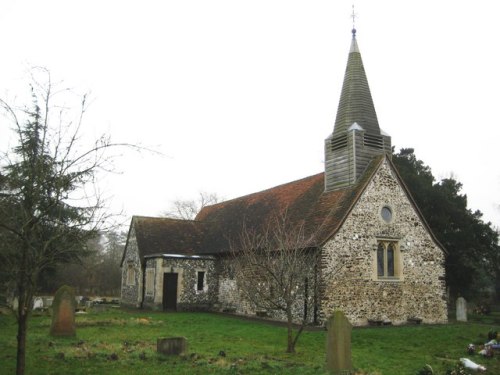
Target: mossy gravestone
[338, 344]
[63, 312]
[172, 345]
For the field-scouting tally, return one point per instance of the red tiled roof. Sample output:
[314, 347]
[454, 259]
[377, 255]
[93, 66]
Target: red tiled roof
[305, 202]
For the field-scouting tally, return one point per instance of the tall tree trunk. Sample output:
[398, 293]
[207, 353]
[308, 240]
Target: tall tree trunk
[290, 341]
[22, 326]
[25, 299]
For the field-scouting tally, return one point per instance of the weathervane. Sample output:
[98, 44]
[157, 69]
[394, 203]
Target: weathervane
[353, 16]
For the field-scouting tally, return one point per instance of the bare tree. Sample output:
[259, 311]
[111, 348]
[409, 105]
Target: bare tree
[276, 269]
[49, 203]
[188, 209]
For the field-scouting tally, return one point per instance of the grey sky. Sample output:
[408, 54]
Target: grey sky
[239, 95]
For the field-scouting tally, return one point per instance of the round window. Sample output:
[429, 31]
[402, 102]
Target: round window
[386, 214]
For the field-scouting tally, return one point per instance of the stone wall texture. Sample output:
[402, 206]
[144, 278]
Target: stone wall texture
[349, 260]
[188, 297]
[232, 299]
[131, 294]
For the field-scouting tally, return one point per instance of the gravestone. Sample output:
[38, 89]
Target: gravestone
[338, 344]
[171, 345]
[14, 303]
[63, 312]
[461, 309]
[38, 303]
[47, 301]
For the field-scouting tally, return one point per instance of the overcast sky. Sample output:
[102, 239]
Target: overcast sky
[240, 95]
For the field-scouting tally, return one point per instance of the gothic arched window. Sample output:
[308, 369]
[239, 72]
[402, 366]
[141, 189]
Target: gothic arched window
[387, 255]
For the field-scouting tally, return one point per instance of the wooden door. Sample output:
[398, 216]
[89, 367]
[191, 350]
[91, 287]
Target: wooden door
[170, 291]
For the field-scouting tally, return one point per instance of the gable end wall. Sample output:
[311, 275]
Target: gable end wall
[131, 294]
[350, 258]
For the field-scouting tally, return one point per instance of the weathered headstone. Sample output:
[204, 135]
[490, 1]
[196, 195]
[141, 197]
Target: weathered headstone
[63, 312]
[338, 344]
[14, 303]
[171, 345]
[38, 303]
[47, 301]
[461, 309]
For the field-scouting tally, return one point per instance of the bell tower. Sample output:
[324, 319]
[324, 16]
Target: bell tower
[356, 137]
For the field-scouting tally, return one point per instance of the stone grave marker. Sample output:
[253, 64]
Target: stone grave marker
[63, 312]
[38, 303]
[14, 303]
[338, 344]
[461, 309]
[47, 301]
[171, 345]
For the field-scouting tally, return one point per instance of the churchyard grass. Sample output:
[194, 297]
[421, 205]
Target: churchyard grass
[124, 342]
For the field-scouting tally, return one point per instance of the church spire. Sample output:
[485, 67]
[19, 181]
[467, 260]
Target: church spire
[356, 104]
[356, 136]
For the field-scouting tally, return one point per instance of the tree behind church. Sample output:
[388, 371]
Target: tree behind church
[188, 209]
[49, 207]
[473, 260]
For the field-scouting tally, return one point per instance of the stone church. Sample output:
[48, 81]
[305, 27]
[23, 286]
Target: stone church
[362, 214]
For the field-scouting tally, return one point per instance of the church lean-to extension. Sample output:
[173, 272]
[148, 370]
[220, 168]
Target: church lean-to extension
[386, 263]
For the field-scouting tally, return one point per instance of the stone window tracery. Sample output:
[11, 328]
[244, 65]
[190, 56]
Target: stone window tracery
[387, 256]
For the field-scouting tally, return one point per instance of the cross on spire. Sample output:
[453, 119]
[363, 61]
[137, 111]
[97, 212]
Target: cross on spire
[353, 16]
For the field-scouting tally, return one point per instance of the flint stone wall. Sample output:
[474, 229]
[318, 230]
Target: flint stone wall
[130, 294]
[188, 297]
[232, 299]
[229, 295]
[351, 256]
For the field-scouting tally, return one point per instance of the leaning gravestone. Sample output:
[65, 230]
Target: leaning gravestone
[461, 309]
[338, 344]
[63, 312]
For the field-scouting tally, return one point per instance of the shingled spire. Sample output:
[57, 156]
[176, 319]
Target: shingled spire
[356, 137]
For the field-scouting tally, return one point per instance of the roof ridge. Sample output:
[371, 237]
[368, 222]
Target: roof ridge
[265, 190]
[164, 218]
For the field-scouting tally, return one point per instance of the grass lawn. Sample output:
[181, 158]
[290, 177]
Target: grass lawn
[124, 342]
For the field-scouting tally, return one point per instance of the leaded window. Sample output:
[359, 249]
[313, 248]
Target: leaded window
[386, 259]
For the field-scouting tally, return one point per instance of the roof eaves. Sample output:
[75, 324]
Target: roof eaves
[180, 256]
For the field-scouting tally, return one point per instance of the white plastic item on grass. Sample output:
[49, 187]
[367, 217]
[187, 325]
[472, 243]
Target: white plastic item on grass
[472, 365]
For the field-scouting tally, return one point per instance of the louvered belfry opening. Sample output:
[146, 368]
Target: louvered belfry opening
[356, 138]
